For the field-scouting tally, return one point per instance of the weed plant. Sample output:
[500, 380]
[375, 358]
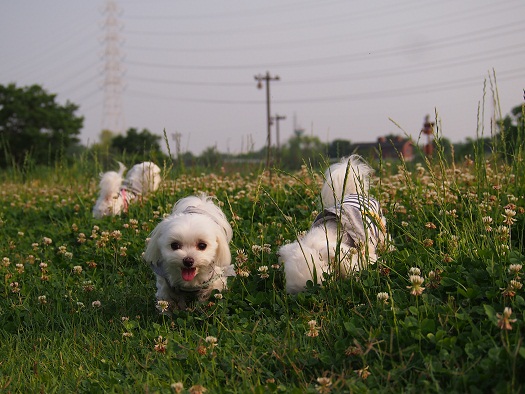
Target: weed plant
[443, 311]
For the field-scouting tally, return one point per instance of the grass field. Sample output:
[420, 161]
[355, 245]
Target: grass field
[78, 312]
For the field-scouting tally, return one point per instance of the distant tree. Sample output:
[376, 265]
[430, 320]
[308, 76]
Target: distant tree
[135, 143]
[301, 149]
[33, 126]
[339, 148]
[211, 157]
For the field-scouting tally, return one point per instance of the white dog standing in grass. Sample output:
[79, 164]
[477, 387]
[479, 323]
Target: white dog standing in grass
[116, 193]
[189, 252]
[345, 236]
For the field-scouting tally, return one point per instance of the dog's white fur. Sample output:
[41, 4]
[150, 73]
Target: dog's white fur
[324, 249]
[189, 252]
[116, 192]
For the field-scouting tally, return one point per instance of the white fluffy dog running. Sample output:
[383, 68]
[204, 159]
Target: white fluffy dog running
[345, 236]
[117, 193]
[189, 252]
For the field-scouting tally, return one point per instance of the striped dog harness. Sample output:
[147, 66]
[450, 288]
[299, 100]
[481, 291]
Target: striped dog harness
[360, 219]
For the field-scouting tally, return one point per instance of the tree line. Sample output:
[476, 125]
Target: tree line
[36, 130]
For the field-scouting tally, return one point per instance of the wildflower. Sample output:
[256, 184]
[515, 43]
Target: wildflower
[242, 272]
[19, 268]
[116, 234]
[177, 387]
[505, 320]
[96, 304]
[74, 227]
[68, 255]
[88, 286]
[202, 350]
[324, 385]
[162, 306]
[509, 217]
[14, 287]
[241, 257]
[42, 299]
[363, 373]
[212, 341]
[218, 296]
[416, 282]
[354, 351]
[77, 269]
[313, 330]
[384, 271]
[383, 297]
[161, 344]
[47, 241]
[434, 278]
[197, 389]
[127, 334]
[513, 286]
[124, 318]
[430, 225]
[515, 269]
[263, 272]
[427, 243]
[91, 264]
[123, 251]
[6, 262]
[81, 238]
[20, 234]
[414, 271]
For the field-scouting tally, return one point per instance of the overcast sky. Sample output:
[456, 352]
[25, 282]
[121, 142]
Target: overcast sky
[348, 69]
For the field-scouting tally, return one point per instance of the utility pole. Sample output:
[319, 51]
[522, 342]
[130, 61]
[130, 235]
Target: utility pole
[277, 118]
[176, 137]
[267, 78]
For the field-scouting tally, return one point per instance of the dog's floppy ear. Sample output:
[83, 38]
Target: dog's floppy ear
[152, 254]
[223, 257]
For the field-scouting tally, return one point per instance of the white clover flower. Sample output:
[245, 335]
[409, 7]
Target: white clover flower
[383, 297]
[414, 271]
[416, 282]
[77, 269]
[515, 268]
[162, 305]
[263, 271]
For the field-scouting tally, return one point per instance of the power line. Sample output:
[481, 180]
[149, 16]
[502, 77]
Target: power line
[391, 93]
[446, 42]
[440, 64]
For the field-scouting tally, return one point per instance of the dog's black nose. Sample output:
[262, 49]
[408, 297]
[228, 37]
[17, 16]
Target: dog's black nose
[188, 261]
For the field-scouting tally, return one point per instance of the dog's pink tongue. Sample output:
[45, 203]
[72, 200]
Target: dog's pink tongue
[188, 273]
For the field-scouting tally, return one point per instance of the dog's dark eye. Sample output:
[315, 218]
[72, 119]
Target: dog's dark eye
[175, 245]
[201, 246]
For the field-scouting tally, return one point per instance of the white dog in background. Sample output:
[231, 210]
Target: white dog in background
[117, 193]
[189, 252]
[344, 237]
